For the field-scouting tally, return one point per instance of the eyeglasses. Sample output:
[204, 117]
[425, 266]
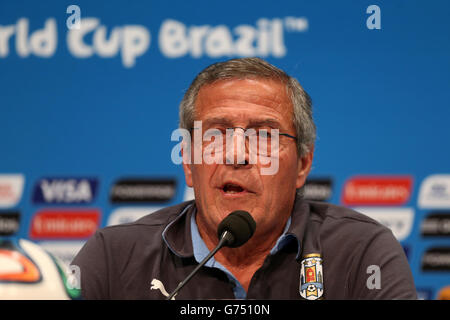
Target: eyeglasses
[261, 133]
[258, 141]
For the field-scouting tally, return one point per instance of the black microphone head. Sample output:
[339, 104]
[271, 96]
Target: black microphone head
[240, 224]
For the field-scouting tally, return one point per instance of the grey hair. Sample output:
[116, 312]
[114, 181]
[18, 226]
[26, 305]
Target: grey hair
[245, 68]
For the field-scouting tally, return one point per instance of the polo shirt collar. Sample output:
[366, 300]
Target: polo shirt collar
[201, 250]
[300, 217]
[178, 235]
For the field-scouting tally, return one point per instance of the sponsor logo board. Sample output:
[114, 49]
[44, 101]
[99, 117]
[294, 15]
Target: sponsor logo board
[11, 188]
[434, 192]
[143, 190]
[64, 224]
[399, 220]
[377, 190]
[129, 214]
[436, 259]
[436, 224]
[318, 189]
[65, 191]
[9, 223]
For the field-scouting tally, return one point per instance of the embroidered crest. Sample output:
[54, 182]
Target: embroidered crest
[311, 277]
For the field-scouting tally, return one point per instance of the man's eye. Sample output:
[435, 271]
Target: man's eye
[264, 133]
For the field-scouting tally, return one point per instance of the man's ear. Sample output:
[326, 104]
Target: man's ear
[304, 167]
[187, 169]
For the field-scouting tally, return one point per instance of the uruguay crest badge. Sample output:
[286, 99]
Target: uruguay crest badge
[311, 277]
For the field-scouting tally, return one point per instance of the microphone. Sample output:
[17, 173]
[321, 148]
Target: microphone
[235, 230]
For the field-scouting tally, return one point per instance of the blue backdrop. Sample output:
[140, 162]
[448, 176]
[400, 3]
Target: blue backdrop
[86, 111]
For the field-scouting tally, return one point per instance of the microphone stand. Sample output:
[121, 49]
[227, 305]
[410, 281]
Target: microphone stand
[226, 238]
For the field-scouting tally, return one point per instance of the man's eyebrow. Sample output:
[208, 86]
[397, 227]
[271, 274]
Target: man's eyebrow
[264, 123]
[217, 121]
[269, 122]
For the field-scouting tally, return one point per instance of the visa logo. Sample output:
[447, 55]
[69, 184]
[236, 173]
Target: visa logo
[65, 190]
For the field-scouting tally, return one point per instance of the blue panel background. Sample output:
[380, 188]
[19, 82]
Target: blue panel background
[381, 97]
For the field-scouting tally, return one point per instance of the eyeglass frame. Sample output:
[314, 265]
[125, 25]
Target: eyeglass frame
[279, 133]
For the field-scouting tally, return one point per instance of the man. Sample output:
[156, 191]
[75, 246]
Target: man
[300, 249]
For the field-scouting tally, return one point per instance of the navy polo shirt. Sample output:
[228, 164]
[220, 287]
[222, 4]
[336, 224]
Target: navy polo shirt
[201, 251]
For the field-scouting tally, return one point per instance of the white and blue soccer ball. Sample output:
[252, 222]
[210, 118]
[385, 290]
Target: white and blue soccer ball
[28, 272]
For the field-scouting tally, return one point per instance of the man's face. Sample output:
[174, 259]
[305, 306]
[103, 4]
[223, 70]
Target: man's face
[223, 188]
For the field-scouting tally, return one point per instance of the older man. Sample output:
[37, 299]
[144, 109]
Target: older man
[300, 249]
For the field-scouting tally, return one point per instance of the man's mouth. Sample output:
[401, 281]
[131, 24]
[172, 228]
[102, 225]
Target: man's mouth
[231, 188]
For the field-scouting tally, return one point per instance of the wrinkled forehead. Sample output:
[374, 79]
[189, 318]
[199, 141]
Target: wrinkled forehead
[251, 99]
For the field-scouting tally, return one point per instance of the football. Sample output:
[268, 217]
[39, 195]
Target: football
[28, 272]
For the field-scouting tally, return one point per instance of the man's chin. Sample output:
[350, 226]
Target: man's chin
[226, 207]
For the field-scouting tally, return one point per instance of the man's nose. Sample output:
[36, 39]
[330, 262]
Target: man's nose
[237, 153]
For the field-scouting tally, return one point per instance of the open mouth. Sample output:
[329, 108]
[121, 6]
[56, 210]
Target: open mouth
[231, 188]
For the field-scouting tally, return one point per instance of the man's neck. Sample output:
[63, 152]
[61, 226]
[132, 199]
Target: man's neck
[244, 261]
